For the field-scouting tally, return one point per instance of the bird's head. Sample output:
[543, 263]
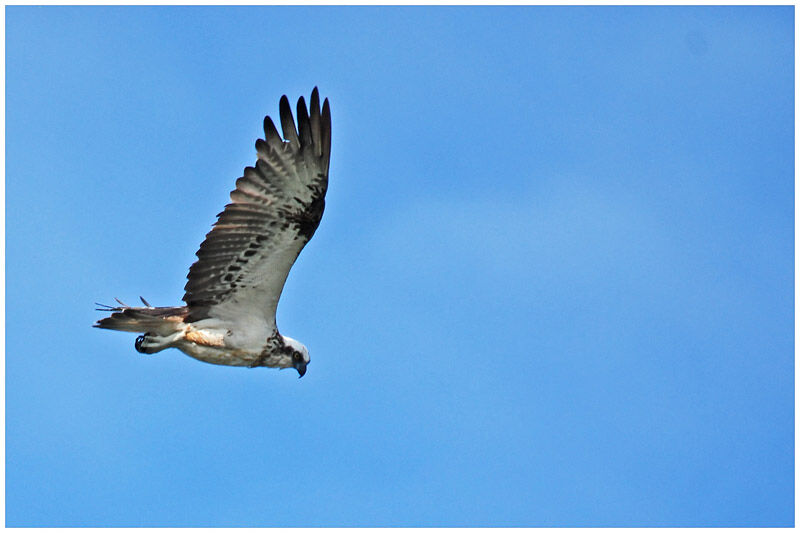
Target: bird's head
[298, 354]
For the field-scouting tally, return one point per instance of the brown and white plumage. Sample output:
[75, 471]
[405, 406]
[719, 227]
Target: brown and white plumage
[233, 288]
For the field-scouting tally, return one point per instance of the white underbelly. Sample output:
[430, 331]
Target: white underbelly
[217, 346]
[215, 355]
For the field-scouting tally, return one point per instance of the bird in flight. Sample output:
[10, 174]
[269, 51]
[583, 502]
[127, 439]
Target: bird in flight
[233, 288]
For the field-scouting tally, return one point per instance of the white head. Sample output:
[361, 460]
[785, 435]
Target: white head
[298, 354]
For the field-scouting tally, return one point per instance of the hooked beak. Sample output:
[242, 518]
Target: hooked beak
[301, 369]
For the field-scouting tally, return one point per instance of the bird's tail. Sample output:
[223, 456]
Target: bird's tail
[156, 320]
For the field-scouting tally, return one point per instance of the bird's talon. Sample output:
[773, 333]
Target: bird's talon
[138, 344]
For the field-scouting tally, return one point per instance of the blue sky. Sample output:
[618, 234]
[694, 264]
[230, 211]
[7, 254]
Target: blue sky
[553, 285]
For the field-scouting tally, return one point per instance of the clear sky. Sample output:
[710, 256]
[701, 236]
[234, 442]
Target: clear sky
[553, 285]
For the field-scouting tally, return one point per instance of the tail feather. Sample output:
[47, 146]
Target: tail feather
[156, 320]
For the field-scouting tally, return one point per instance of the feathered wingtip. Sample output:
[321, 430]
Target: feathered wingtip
[313, 125]
[111, 308]
[105, 308]
[122, 305]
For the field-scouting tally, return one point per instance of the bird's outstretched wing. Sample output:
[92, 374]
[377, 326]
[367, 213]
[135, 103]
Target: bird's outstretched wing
[276, 207]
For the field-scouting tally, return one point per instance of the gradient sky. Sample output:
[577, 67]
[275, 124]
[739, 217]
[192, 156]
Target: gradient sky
[553, 285]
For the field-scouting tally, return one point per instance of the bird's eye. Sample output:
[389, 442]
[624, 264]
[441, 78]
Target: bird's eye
[296, 356]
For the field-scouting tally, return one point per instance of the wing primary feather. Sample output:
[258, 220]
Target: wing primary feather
[316, 127]
[326, 136]
[287, 122]
[271, 135]
[303, 123]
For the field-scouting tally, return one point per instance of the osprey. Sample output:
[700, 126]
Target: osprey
[234, 286]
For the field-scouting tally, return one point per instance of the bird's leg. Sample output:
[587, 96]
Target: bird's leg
[152, 343]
